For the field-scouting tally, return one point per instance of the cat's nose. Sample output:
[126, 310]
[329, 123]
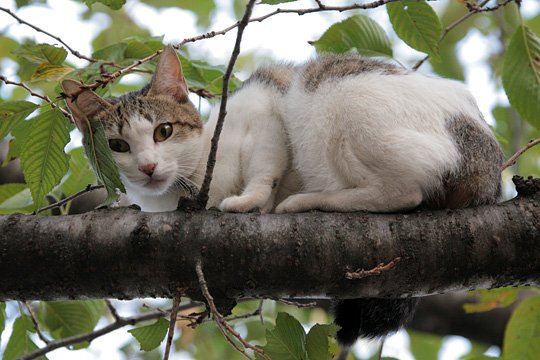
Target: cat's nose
[148, 169]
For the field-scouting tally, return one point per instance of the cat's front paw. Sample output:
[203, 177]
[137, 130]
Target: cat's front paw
[239, 204]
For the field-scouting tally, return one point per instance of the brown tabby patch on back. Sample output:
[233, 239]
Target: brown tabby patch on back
[156, 109]
[477, 181]
[328, 67]
[276, 76]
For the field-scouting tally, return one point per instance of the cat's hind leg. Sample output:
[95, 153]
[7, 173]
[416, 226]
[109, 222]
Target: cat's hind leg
[377, 197]
[258, 195]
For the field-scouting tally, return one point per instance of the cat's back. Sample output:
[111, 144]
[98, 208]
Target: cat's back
[352, 120]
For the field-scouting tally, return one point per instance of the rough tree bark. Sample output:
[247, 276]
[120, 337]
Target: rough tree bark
[124, 253]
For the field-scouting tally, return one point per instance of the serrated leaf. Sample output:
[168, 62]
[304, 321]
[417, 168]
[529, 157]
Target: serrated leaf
[114, 52]
[137, 49]
[2, 318]
[357, 32]
[20, 343]
[317, 344]
[287, 340]
[424, 345]
[99, 154]
[416, 23]
[113, 4]
[15, 198]
[12, 113]
[201, 75]
[521, 74]
[48, 72]
[80, 173]
[492, 299]
[522, 334]
[150, 336]
[41, 53]
[43, 160]
[69, 318]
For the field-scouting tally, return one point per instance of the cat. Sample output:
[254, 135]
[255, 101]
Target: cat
[338, 133]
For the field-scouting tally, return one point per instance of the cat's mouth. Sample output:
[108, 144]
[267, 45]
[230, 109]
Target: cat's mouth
[155, 184]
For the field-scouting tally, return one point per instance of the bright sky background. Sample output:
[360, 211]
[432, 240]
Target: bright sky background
[284, 38]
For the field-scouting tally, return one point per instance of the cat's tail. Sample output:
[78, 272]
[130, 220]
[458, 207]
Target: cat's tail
[371, 317]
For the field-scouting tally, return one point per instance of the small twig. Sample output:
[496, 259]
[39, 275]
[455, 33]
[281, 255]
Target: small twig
[479, 8]
[221, 322]
[298, 304]
[121, 322]
[202, 198]
[35, 94]
[172, 322]
[87, 189]
[34, 321]
[71, 50]
[520, 152]
[112, 310]
[379, 355]
[377, 270]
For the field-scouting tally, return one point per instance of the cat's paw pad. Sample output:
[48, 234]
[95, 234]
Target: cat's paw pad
[239, 204]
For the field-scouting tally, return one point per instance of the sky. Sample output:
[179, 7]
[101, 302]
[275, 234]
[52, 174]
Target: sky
[283, 38]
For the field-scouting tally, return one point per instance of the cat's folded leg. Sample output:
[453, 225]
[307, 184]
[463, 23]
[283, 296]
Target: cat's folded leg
[258, 195]
[379, 197]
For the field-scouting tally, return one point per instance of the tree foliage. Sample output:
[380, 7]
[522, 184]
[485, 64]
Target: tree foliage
[36, 130]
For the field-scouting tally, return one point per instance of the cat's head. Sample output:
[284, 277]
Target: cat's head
[154, 133]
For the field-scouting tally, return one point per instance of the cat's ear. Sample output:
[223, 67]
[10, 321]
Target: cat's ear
[83, 103]
[169, 79]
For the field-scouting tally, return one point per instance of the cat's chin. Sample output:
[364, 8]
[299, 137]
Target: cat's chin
[156, 186]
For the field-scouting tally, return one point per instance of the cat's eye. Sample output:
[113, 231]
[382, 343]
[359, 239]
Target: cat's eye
[163, 132]
[118, 145]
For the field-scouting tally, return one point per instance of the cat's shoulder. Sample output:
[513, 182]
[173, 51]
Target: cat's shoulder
[278, 76]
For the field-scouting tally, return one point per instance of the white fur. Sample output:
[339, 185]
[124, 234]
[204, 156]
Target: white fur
[366, 142]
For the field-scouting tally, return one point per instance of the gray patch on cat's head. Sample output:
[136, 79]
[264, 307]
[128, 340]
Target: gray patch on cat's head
[331, 66]
[277, 76]
[477, 180]
[159, 108]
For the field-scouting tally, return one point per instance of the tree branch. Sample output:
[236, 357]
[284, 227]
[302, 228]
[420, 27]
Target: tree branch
[202, 198]
[513, 159]
[477, 8]
[92, 255]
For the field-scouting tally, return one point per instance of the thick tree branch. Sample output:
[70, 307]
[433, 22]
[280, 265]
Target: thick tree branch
[124, 253]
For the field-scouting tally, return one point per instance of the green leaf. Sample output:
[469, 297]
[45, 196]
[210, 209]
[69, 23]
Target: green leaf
[491, 299]
[424, 345]
[48, 72]
[43, 160]
[201, 75]
[138, 49]
[41, 53]
[20, 343]
[113, 4]
[522, 334]
[99, 154]
[12, 113]
[521, 74]
[416, 23]
[15, 198]
[150, 336]
[2, 317]
[317, 344]
[114, 52]
[7, 46]
[357, 32]
[20, 134]
[287, 340]
[69, 318]
[80, 173]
